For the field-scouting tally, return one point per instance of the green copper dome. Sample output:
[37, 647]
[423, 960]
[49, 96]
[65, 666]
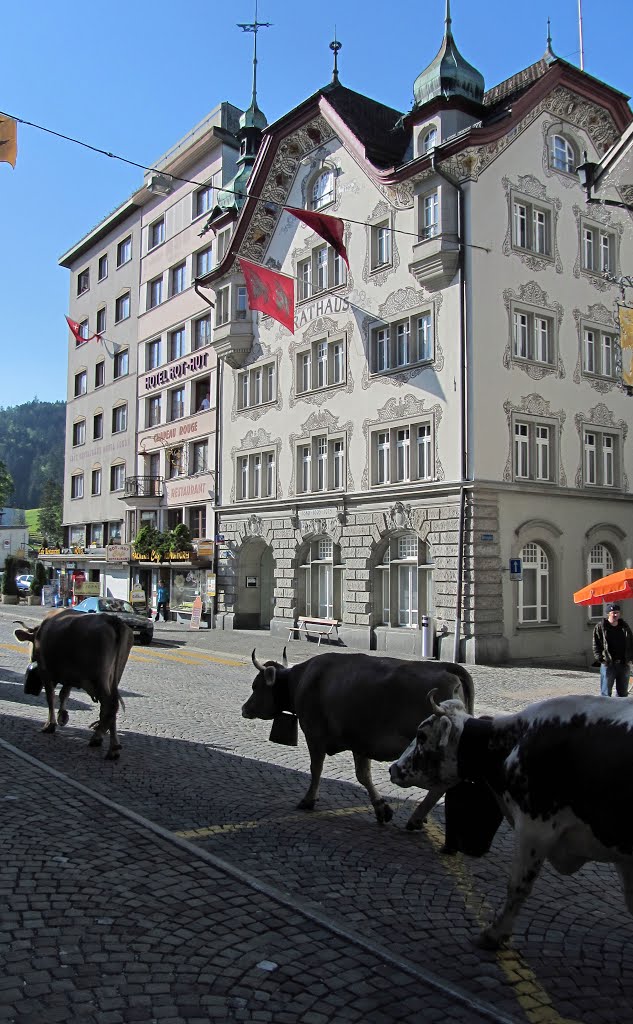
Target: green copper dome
[449, 74]
[253, 117]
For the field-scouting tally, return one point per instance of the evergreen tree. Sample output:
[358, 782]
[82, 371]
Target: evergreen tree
[51, 510]
[6, 484]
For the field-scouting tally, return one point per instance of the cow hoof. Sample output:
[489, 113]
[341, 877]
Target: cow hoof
[62, 718]
[487, 940]
[383, 813]
[306, 805]
[95, 741]
[49, 728]
[112, 755]
[415, 826]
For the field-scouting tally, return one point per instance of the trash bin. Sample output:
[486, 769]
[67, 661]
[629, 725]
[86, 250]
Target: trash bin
[427, 626]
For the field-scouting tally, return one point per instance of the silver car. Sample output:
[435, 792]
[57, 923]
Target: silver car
[142, 626]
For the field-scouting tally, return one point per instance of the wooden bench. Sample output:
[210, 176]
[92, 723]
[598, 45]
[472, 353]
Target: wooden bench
[309, 624]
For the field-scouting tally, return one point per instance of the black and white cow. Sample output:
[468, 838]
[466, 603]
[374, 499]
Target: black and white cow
[562, 771]
[369, 705]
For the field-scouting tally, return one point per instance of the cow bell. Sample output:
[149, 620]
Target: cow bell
[33, 682]
[285, 730]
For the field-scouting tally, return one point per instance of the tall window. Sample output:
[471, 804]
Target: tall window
[403, 343]
[241, 302]
[321, 464]
[121, 364]
[117, 477]
[83, 281]
[122, 308]
[401, 454]
[177, 403]
[533, 451]
[203, 200]
[322, 191]
[321, 580]
[531, 227]
[533, 336]
[562, 155]
[202, 332]
[598, 249]
[322, 270]
[600, 563]
[95, 487]
[204, 261]
[178, 279]
[154, 292]
[124, 251]
[101, 320]
[152, 354]
[100, 373]
[102, 267]
[322, 365]
[79, 433]
[81, 383]
[176, 344]
[256, 475]
[119, 419]
[600, 458]
[429, 140]
[157, 233]
[77, 485]
[404, 584]
[599, 352]
[381, 252]
[534, 587]
[200, 457]
[257, 386]
[429, 215]
[97, 426]
[222, 298]
[152, 411]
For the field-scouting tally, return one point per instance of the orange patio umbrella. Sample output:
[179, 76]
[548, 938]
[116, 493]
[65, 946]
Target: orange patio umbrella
[616, 586]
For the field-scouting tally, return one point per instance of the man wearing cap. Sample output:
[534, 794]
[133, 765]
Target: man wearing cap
[613, 650]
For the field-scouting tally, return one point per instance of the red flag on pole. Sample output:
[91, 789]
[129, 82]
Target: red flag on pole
[270, 293]
[331, 229]
[76, 331]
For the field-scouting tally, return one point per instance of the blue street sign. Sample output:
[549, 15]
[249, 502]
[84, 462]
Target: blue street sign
[516, 569]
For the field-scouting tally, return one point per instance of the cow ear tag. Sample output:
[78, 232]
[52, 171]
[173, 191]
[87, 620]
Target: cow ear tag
[285, 730]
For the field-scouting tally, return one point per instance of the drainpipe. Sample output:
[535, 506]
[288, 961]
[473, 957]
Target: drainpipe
[464, 454]
[219, 367]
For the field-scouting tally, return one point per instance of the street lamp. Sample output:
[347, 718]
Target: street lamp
[586, 172]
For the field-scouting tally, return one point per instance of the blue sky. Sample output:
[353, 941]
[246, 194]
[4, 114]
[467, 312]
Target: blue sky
[128, 78]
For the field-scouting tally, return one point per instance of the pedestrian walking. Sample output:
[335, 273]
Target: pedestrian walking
[613, 650]
[162, 600]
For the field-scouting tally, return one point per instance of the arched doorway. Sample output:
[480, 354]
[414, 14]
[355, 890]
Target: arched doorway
[255, 588]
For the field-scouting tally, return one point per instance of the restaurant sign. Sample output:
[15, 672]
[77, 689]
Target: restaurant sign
[118, 552]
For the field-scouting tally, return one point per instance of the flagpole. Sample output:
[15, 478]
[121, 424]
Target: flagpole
[582, 47]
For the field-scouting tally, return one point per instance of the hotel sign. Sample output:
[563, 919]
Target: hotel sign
[174, 373]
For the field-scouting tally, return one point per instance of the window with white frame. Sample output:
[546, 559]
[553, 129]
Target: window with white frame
[256, 475]
[322, 365]
[97, 426]
[322, 190]
[381, 245]
[202, 332]
[102, 267]
[222, 306]
[599, 564]
[321, 571]
[119, 418]
[176, 344]
[176, 404]
[601, 457]
[429, 215]
[222, 245]
[152, 354]
[531, 226]
[154, 292]
[199, 457]
[405, 577]
[598, 352]
[81, 383]
[402, 344]
[202, 201]
[152, 411]
[176, 462]
[322, 270]
[156, 233]
[257, 386]
[204, 261]
[178, 279]
[320, 464]
[84, 331]
[79, 433]
[598, 249]
[117, 477]
[533, 336]
[77, 485]
[120, 365]
[241, 302]
[124, 251]
[197, 516]
[562, 155]
[122, 308]
[95, 482]
[534, 587]
[100, 373]
[429, 140]
[101, 320]
[534, 450]
[400, 454]
[83, 281]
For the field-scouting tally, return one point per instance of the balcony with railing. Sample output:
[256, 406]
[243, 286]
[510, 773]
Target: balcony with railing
[146, 489]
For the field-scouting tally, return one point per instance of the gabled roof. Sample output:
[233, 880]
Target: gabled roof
[378, 127]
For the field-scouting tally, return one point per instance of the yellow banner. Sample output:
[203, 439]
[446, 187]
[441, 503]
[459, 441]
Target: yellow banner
[8, 140]
[626, 344]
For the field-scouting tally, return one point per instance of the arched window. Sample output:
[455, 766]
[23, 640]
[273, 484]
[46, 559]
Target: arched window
[562, 154]
[405, 577]
[322, 191]
[429, 140]
[534, 588]
[600, 563]
[321, 583]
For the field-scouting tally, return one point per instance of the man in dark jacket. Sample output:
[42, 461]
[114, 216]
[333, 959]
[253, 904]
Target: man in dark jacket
[613, 649]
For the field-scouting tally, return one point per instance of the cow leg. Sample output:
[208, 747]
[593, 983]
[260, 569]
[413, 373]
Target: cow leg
[363, 774]
[62, 714]
[625, 872]
[107, 723]
[317, 757]
[417, 819]
[50, 700]
[527, 861]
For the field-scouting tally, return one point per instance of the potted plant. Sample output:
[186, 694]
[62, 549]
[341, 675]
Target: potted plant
[10, 593]
[40, 579]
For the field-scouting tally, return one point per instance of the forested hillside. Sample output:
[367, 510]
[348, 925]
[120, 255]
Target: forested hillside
[32, 448]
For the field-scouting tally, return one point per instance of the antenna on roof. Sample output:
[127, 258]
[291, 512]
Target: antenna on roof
[254, 27]
[582, 46]
[335, 46]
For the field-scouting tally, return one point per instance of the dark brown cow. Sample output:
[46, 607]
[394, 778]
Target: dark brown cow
[369, 705]
[88, 652]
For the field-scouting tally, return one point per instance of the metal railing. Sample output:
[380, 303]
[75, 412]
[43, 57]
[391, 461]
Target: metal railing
[144, 486]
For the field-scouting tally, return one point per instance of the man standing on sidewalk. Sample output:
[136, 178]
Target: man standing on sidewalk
[613, 650]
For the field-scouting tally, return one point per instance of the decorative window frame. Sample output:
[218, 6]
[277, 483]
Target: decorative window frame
[318, 166]
[255, 411]
[401, 412]
[402, 303]
[602, 319]
[323, 328]
[321, 422]
[314, 242]
[531, 298]
[422, 134]
[79, 422]
[533, 192]
[600, 219]
[603, 421]
[569, 179]
[535, 409]
[378, 275]
[256, 441]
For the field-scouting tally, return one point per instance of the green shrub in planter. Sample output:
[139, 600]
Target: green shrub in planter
[40, 579]
[9, 586]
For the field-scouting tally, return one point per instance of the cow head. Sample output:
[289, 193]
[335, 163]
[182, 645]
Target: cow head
[269, 696]
[431, 758]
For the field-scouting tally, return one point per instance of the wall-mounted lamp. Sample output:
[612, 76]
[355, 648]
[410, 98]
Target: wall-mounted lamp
[586, 172]
[160, 184]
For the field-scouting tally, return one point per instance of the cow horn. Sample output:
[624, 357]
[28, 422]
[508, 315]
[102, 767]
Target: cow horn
[256, 663]
[18, 622]
[284, 659]
[437, 708]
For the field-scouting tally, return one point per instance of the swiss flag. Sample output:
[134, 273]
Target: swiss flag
[330, 229]
[76, 331]
[270, 293]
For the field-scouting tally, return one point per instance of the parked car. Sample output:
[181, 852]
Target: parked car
[24, 583]
[142, 626]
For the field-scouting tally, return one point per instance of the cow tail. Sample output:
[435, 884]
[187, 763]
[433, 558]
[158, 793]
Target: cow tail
[467, 685]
